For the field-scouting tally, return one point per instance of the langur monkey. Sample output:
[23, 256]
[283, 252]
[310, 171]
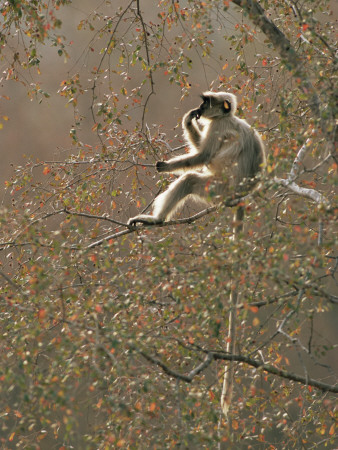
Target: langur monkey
[225, 156]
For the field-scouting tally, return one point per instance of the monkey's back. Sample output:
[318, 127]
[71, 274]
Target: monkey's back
[252, 156]
[251, 153]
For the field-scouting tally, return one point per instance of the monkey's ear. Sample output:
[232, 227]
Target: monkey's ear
[227, 105]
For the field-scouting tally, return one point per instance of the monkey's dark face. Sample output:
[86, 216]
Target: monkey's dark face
[212, 107]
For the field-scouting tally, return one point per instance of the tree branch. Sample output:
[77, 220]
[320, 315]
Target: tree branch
[304, 192]
[295, 64]
[293, 61]
[270, 301]
[294, 172]
[170, 222]
[146, 45]
[230, 202]
[92, 216]
[210, 356]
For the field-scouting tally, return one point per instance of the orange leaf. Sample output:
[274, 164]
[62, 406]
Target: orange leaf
[211, 395]
[255, 322]
[152, 407]
[235, 425]
[42, 313]
[98, 308]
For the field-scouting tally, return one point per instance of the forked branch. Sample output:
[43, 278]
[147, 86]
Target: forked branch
[212, 356]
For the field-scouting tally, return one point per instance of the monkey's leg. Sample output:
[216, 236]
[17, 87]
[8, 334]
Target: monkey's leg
[188, 184]
[167, 203]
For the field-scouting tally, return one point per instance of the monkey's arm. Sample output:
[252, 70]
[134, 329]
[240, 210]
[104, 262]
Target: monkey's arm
[191, 129]
[192, 161]
[182, 162]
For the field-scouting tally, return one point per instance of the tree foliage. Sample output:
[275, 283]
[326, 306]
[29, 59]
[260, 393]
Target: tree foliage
[116, 337]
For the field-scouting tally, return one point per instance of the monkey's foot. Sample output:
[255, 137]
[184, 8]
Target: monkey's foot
[145, 219]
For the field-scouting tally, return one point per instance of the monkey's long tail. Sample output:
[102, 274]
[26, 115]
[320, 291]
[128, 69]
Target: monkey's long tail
[229, 371]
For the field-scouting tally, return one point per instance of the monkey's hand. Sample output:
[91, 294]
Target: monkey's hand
[195, 114]
[162, 166]
[190, 115]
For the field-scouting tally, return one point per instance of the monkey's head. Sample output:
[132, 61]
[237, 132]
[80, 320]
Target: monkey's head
[217, 104]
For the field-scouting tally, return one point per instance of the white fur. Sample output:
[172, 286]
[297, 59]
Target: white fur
[224, 151]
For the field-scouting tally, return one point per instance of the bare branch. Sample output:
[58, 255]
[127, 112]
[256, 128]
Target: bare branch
[165, 368]
[294, 172]
[204, 364]
[242, 359]
[304, 192]
[298, 160]
[191, 219]
[170, 222]
[270, 301]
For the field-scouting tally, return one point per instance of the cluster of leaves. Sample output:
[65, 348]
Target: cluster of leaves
[114, 337]
[32, 22]
[76, 318]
